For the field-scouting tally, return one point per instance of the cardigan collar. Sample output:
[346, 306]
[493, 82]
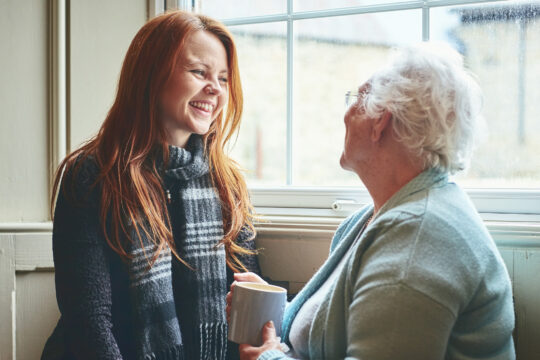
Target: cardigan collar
[422, 181]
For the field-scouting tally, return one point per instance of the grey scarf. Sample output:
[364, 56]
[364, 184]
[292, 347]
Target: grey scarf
[180, 313]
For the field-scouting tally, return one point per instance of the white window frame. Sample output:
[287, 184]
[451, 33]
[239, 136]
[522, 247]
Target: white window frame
[156, 7]
[513, 205]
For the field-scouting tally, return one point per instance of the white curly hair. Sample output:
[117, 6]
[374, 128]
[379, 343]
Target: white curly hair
[434, 101]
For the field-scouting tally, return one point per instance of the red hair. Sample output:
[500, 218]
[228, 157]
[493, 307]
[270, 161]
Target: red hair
[127, 145]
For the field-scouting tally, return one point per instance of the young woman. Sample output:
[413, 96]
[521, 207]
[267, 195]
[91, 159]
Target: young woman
[152, 217]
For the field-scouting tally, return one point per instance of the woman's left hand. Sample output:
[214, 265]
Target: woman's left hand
[241, 277]
[270, 342]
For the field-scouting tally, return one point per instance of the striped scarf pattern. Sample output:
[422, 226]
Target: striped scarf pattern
[179, 313]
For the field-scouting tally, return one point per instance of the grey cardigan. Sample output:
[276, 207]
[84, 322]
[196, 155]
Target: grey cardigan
[425, 281]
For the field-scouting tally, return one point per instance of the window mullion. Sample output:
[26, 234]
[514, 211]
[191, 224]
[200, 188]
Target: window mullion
[290, 94]
[425, 23]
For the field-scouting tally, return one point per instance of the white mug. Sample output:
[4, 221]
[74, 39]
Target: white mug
[252, 306]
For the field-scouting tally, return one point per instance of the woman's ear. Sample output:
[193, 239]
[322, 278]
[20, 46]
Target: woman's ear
[380, 124]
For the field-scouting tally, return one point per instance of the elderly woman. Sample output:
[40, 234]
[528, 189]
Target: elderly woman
[415, 275]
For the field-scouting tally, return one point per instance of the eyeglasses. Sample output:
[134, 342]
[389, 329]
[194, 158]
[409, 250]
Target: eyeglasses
[351, 97]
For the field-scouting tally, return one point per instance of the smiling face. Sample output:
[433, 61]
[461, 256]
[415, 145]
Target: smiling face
[197, 90]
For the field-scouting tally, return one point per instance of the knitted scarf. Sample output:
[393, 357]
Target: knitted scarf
[179, 313]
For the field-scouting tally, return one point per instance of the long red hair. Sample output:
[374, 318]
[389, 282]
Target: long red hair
[126, 146]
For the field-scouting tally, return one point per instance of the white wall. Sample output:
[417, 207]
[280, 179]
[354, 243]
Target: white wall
[100, 32]
[24, 111]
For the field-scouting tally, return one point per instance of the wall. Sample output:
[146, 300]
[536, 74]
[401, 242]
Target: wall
[24, 115]
[96, 37]
[100, 34]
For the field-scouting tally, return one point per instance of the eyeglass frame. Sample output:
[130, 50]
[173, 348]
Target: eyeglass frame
[356, 95]
[349, 97]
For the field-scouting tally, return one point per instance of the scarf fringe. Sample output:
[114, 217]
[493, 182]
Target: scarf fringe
[213, 341]
[175, 352]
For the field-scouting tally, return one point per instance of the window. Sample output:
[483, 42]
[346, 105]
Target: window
[298, 58]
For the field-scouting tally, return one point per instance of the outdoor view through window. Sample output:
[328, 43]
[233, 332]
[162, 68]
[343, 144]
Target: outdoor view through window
[292, 131]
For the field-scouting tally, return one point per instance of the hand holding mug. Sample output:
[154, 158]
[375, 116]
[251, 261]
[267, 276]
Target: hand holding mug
[241, 277]
[270, 342]
[251, 305]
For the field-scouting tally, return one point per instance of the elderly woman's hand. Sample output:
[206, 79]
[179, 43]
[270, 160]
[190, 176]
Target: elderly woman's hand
[270, 342]
[241, 277]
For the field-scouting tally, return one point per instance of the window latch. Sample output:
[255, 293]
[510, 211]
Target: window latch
[344, 205]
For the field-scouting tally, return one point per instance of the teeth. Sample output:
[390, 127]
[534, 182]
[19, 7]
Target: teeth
[203, 106]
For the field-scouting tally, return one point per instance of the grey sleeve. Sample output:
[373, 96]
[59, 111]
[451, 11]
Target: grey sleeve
[397, 322]
[387, 317]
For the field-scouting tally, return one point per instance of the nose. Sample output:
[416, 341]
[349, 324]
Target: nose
[347, 115]
[214, 87]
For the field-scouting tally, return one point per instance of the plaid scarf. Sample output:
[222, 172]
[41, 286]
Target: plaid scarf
[179, 313]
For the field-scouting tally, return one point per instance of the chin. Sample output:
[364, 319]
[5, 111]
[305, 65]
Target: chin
[200, 129]
[343, 162]
[201, 132]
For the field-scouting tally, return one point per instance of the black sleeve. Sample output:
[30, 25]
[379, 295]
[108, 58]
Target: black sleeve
[81, 258]
[246, 240]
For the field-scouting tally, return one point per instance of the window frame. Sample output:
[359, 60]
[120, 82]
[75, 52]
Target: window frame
[512, 205]
[506, 205]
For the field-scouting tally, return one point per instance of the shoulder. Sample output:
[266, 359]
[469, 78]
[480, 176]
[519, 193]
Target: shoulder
[79, 182]
[77, 211]
[435, 224]
[433, 242]
[444, 213]
[83, 169]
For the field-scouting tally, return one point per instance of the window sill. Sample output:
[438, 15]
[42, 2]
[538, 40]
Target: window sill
[492, 204]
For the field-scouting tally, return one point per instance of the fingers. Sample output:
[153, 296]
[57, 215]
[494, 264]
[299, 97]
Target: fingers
[248, 352]
[241, 277]
[228, 307]
[270, 342]
[269, 332]
[248, 276]
[245, 277]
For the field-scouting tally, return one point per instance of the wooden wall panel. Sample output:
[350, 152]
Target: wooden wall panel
[7, 293]
[526, 283]
[37, 312]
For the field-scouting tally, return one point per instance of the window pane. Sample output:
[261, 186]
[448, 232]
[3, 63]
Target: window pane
[241, 8]
[332, 56]
[261, 146]
[501, 45]
[310, 5]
